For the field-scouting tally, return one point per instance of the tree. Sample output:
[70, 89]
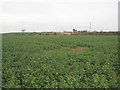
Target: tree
[74, 30]
[101, 31]
[55, 33]
[23, 30]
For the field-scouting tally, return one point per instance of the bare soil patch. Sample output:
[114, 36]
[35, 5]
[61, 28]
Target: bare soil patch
[64, 47]
[79, 48]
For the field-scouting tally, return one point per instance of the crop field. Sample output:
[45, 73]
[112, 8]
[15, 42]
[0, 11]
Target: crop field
[60, 61]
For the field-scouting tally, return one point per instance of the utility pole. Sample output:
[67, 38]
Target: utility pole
[90, 27]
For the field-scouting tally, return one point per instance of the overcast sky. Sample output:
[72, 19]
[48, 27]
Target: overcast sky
[58, 15]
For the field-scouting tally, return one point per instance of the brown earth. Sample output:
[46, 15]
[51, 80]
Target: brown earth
[79, 48]
[64, 47]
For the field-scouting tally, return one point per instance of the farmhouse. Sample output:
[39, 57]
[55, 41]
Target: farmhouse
[67, 33]
[64, 33]
[59, 33]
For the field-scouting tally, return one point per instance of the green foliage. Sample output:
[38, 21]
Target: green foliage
[50, 61]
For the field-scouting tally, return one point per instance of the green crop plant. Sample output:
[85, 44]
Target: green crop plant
[48, 61]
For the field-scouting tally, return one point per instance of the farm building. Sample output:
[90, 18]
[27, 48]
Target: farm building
[67, 33]
[64, 33]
